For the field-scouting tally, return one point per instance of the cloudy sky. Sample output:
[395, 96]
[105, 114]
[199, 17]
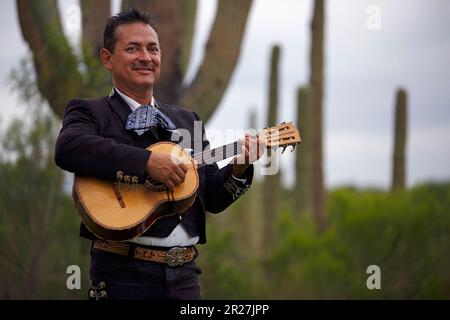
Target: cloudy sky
[372, 48]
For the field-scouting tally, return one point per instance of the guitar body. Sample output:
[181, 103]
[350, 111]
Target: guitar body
[118, 211]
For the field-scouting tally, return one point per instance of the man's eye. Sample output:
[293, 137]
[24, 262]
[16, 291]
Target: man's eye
[130, 49]
[154, 49]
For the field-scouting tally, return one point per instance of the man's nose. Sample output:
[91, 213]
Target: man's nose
[145, 55]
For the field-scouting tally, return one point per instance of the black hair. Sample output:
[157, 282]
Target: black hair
[132, 15]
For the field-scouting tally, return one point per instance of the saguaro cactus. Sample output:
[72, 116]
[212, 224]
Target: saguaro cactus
[399, 157]
[60, 78]
[272, 182]
[316, 83]
[250, 230]
[304, 156]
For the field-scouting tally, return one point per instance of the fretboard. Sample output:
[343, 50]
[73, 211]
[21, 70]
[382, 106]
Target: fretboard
[210, 156]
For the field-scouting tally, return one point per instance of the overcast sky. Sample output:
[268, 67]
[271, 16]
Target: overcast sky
[367, 59]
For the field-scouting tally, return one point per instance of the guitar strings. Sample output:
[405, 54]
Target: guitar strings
[232, 149]
[236, 148]
[207, 155]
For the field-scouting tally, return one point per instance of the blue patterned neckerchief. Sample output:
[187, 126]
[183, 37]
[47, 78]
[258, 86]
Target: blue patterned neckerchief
[146, 117]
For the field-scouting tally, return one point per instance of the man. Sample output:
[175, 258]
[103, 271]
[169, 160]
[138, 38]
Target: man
[106, 136]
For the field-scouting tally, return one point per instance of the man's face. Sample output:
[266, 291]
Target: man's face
[135, 63]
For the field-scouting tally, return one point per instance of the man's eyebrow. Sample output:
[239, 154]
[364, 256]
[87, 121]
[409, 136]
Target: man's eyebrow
[138, 43]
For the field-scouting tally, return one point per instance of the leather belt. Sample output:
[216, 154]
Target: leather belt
[173, 257]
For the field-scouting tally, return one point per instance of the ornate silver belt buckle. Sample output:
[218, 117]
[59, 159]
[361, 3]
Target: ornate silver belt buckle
[174, 257]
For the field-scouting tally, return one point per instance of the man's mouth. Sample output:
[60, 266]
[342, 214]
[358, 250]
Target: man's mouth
[149, 69]
[144, 69]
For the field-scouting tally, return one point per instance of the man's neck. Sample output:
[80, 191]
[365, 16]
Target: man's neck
[143, 98]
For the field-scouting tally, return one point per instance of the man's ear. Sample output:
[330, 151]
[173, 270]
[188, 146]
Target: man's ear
[105, 57]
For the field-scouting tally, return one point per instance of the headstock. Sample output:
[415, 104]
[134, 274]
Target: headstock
[281, 135]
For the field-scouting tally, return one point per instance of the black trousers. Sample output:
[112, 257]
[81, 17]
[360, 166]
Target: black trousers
[118, 277]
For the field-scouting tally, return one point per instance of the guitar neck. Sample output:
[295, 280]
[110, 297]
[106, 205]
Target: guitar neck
[211, 156]
[282, 135]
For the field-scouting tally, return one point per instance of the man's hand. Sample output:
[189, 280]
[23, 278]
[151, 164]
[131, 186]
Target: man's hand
[252, 150]
[163, 168]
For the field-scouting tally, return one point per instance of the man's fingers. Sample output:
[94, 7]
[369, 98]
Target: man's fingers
[180, 173]
[183, 167]
[248, 135]
[261, 145]
[251, 149]
[175, 179]
[167, 169]
[169, 185]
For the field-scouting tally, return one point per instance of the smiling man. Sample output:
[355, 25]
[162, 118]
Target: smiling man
[106, 138]
[132, 53]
